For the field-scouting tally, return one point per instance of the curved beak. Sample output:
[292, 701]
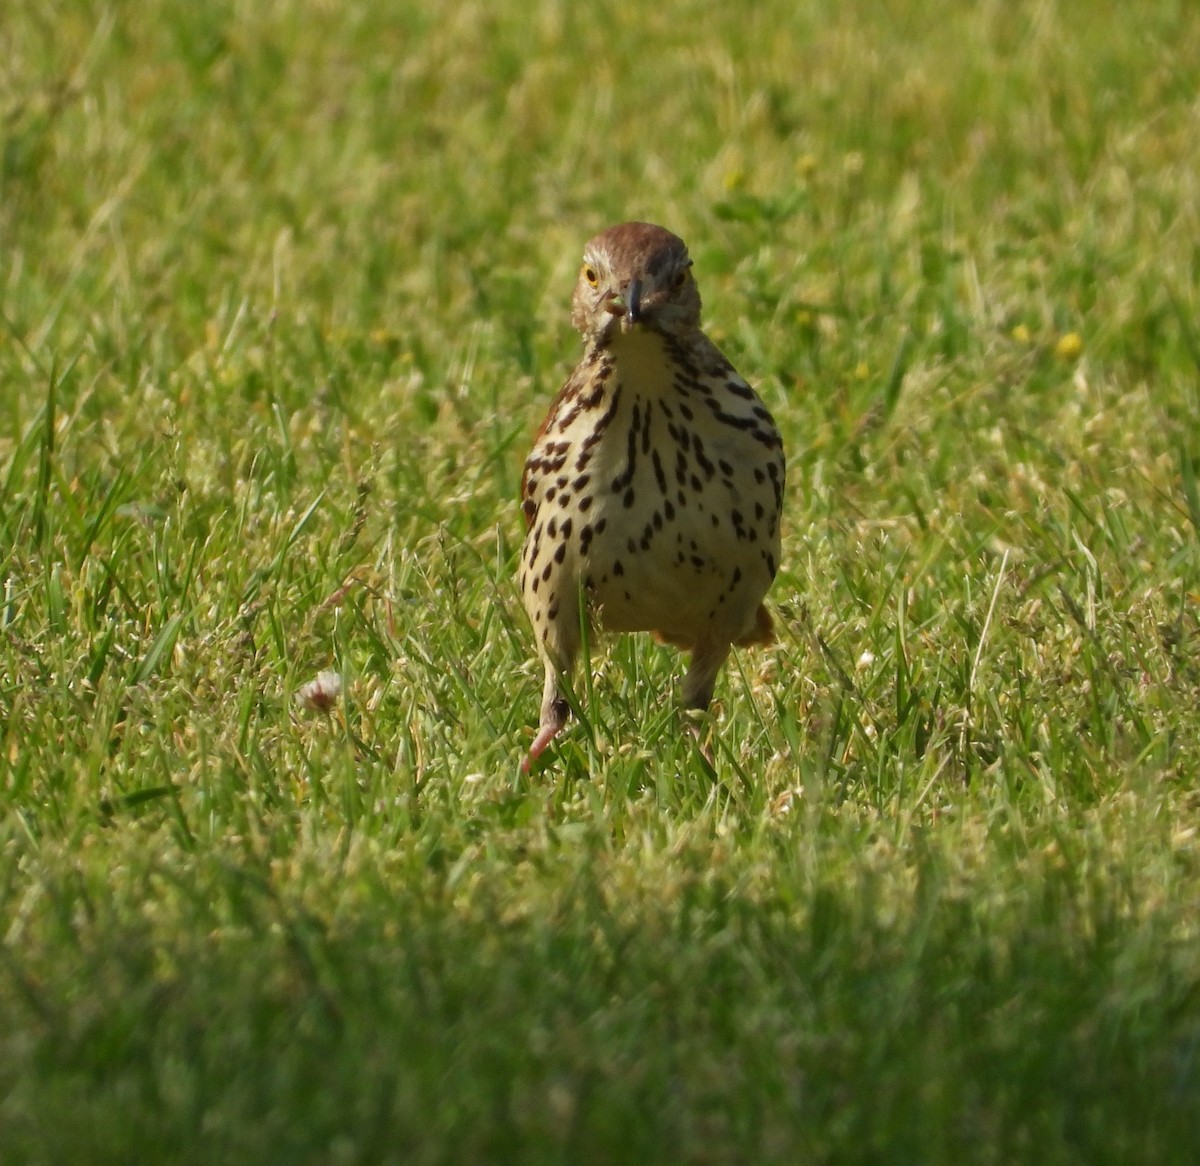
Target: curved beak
[633, 301]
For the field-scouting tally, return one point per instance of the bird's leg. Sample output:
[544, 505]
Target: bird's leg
[701, 678]
[698, 684]
[560, 646]
[555, 711]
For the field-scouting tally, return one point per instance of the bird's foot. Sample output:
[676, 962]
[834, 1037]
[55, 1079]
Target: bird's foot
[555, 712]
[700, 727]
[546, 734]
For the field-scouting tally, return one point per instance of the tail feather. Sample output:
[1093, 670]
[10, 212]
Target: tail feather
[763, 631]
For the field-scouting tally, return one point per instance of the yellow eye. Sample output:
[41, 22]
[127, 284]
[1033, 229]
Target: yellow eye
[589, 273]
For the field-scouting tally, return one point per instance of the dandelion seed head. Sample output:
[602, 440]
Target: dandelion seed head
[320, 693]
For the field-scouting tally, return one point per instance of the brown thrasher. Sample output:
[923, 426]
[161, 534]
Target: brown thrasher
[653, 491]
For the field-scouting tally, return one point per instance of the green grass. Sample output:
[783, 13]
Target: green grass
[283, 298]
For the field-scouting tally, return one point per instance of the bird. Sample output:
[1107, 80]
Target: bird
[653, 493]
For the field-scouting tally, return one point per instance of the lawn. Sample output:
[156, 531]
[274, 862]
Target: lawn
[284, 296]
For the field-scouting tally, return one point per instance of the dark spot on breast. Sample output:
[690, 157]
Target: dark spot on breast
[659, 474]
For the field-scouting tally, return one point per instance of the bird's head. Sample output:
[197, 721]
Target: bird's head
[635, 275]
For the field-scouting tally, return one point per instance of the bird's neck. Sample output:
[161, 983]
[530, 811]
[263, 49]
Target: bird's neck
[641, 358]
[642, 361]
